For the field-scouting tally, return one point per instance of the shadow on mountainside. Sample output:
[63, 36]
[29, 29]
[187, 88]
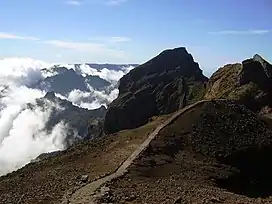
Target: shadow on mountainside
[215, 148]
[254, 178]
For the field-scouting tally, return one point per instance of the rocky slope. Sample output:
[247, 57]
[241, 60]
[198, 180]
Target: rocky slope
[48, 180]
[249, 82]
[162, 85]
[217, 152]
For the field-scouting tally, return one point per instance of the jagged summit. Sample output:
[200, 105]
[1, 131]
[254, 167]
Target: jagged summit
[259, 58]
[249, 82]
[179, 51]
[164, 84]
[256, 69]
[265, 65]
[176, 60]
[50, 95]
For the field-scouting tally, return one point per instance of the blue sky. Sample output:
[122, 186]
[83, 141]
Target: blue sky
[132, 31]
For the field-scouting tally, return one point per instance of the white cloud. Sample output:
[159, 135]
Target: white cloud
[120, 39]
[92, 99]
[27, 139]
[240, 32]
[22, 135]
[79, 46]
[91, 48]
[115, 39]
[73, 2]
[20, 71]
[11, 36]
[100, 49]
[110, 75]
[22, 130]
[115, 2]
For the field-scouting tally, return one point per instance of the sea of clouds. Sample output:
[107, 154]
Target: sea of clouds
[22, 130]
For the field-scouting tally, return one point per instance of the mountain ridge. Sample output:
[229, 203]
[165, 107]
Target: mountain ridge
[163, 84]
[207, 151]
[67, 80]
[249, 82]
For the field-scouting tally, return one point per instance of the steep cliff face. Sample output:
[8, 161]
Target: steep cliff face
[162, 85]
[249, 82]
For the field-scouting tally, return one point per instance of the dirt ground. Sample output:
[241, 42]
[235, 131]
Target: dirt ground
[47, 181]
[172, 171]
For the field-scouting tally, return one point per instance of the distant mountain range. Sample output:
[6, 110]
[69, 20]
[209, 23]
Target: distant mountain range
[111, 66]
[61, 79]
[67, 80]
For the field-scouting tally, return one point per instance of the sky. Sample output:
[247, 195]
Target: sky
[215, 32]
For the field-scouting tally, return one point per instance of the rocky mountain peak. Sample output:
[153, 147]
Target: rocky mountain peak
[179, 55]
[176, 53]
[162, 85]
[256, 69]
[175, 62]
[50, 95]
[249, 82]
[267, 67]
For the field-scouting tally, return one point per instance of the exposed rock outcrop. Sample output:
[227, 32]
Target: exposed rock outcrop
[162, 85]
[249, 82]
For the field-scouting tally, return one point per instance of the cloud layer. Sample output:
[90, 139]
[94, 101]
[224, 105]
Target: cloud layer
[16, 37]
[91, 48]
[96, 47]
[241, 32]
[22, 129]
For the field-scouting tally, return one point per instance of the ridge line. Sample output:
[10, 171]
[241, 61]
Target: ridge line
[84, 194]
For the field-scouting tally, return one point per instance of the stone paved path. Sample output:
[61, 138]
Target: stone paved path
[85, 195]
